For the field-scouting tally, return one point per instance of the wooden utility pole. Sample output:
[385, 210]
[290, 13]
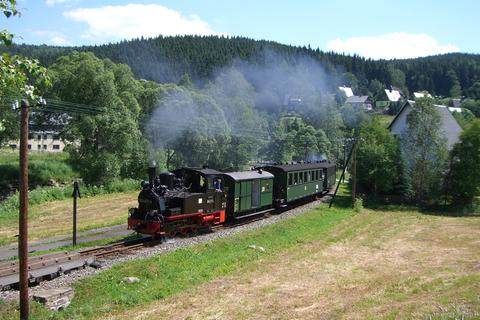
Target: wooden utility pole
[354, 174]
[343, 173]
[23, 221]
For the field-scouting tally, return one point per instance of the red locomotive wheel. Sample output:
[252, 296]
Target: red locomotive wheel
[172, 234]
[184, 231]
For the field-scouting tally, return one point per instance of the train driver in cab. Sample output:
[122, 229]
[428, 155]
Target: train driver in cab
[217, 184]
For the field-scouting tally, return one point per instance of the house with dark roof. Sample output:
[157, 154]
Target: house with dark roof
[450, 126]
[359, 102]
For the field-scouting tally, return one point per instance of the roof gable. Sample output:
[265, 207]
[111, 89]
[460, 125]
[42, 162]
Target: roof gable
[450, 126]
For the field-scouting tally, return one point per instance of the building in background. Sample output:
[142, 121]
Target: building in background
[42, 141]
[347, 91]
[359, 102]
[450, 126]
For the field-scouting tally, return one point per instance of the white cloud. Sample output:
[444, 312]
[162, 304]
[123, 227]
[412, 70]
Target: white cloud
[136, 20]
[391, 45]
[60, 41]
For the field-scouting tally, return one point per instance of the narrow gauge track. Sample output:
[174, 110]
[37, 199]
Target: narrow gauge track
[53, 265]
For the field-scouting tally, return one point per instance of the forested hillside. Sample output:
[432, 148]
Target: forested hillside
[166, 59]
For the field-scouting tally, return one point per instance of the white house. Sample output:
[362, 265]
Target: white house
[45, 141]
[450, 126]
[422, 94]
[348, 91]
[393, 95]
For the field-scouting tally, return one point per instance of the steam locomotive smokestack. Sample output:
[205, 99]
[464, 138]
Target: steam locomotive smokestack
[151, 173]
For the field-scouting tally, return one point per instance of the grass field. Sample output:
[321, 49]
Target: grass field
[55, 218]
[327, 263]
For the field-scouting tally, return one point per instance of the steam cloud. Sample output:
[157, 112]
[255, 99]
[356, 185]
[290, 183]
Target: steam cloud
[266, 85]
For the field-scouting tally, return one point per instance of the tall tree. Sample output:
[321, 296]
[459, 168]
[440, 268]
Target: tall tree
[20, 78]
[424, 148]
[464, 182]
[377, 163]
[108, 144]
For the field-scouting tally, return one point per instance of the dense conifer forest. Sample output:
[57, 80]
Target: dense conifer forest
[166, 59]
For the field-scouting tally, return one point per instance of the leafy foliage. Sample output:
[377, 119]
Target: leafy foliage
[109, 144]
[465, 172]
[424, 149]
[377, 163]
[19, 77]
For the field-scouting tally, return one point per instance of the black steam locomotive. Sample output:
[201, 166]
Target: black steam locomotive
[190, 200]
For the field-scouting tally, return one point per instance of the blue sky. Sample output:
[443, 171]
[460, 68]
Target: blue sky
[371, 28]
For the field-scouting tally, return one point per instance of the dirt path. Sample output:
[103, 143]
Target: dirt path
[392, 265]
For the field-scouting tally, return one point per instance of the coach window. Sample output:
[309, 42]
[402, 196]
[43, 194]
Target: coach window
[295, 178]
[290, 179]
[300, 177]
[305, 177]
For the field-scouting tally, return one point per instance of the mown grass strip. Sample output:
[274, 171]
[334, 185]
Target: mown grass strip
[10, 206]
[164, 275]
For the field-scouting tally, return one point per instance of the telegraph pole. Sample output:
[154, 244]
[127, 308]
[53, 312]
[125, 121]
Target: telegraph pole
[354, 174]
[23, 221]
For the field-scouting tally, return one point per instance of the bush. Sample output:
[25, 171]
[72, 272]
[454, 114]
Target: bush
[43, 167]
[358, 205]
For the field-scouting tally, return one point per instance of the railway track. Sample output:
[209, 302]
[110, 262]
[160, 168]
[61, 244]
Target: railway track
[52, 265]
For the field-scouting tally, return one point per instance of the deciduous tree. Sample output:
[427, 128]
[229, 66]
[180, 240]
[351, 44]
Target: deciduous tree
[424, 149]
[464, 182]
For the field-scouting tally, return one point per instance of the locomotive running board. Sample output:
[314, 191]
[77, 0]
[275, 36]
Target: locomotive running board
[254, 214]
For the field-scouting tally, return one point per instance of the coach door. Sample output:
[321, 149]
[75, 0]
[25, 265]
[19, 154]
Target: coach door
[255, 193]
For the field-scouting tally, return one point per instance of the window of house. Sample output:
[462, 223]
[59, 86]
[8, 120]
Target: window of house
[39, 137]
[45, 136]
[39, 147]
[44, 147]
[56, 137]
[29, 147]
[56, 147]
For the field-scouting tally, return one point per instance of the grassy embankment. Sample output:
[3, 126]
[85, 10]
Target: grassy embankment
[43, 167]
[328, 262]
[51, 207]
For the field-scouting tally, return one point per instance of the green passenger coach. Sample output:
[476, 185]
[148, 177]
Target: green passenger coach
[300, 180]
[248, 193]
